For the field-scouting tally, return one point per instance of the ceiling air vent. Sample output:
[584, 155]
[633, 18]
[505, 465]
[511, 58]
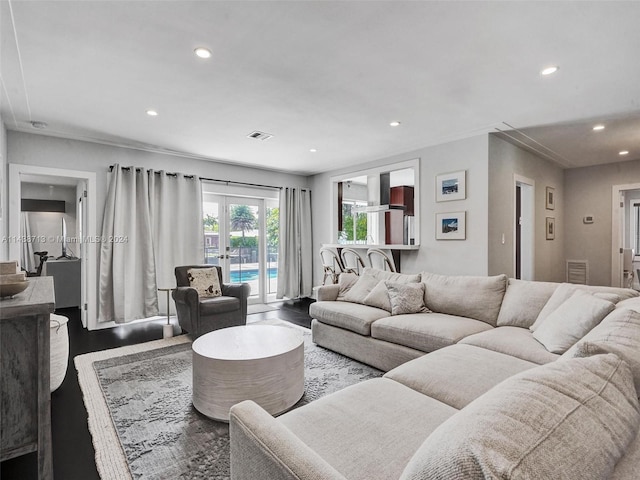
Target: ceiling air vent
[260, 135]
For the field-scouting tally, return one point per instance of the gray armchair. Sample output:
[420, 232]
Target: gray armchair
[202, 315]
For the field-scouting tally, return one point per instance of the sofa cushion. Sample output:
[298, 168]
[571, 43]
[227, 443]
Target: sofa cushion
[379, 297]
[571, 321]
[515, 341]
[369, 430]
[618, 333]
[458, 374]
[351, 316]
[630, 303]
[360, 289]
[565, 290]
[523, 301]
[406, 297]
[345, 282]
[465, 296]
[426, 331]
[568, 420]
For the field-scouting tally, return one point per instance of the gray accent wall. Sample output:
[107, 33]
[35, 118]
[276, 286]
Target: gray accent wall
[458, 257]
[505, 161]
[589, 192]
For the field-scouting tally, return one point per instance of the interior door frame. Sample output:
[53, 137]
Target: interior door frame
[89, 305]
[617, 231]
[527, 211]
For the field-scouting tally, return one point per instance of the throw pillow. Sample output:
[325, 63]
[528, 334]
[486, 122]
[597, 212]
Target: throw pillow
[359, 291]
[571, 420]
[571, 321]
[379, 297]
[559, 296]
[406, 298]
[618, 333]
[346, 281]
[205, 281]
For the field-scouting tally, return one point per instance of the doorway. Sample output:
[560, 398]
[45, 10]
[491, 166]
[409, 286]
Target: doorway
[75, 238]
[524, 228]
[241, 236]
[624, 227]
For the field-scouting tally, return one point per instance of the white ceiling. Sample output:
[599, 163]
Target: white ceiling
[329, 75]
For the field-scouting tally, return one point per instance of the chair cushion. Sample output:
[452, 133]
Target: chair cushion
[571, 321]
[369, 430]
[515, 341]
[426, 331]
[465, 296]
[215, 305]
[458, 374]
[523, 301]
[347, 315]
[205, 281]
[571, 420]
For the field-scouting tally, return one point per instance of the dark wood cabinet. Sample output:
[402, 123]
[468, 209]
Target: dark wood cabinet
[403, 195]
[25, 398]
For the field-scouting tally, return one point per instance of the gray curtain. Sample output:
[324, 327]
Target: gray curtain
[156, 222]
[175, 202]
[295, 257]
[27, 260]
[128, 289]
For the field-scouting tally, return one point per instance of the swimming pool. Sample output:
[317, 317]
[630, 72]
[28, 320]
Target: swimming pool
[249, 275]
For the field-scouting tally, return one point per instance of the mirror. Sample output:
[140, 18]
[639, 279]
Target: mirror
[378, 206]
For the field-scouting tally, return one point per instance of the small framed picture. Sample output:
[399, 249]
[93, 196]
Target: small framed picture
[550, 228]
[550, 198]
[451, 186]
[451, 226]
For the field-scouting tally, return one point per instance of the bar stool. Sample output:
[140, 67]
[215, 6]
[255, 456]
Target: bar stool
[331, 263]
[381, 260]
[352, 260]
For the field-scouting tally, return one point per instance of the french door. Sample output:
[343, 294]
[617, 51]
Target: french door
[239, 237]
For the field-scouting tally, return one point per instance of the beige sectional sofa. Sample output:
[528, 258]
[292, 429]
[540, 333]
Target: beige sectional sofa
[470, 390]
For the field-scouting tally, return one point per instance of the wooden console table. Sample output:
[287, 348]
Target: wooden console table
[25, 398]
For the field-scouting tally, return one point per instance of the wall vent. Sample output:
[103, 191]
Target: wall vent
[578, 271]
[259, 135]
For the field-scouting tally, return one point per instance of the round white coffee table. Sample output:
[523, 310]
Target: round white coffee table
[263, 363]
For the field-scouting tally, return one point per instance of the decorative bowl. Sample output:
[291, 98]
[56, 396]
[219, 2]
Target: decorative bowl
[11, 289]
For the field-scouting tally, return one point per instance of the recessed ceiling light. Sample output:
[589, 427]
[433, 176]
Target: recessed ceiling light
[395, 123]
[597, 128]
[38, 125]
[152, 113]
[624, 152]
[313, 150]
[549, 70]
[202, 52]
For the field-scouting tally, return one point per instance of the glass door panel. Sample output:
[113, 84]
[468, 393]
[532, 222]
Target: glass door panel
[244, 240]
[212, 207]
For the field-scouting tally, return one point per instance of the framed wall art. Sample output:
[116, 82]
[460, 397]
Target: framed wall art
[451, 226]
[550, 228]
[550, 195]
[451, 186]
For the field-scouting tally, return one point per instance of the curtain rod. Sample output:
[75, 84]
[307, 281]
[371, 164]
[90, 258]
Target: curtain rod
[246, 184]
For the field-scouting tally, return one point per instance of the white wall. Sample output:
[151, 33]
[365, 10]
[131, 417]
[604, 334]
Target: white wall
[588, 191]
[506, 160]
[452, 257]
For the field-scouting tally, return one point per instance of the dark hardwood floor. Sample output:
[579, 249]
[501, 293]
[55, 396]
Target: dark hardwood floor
[73, 454]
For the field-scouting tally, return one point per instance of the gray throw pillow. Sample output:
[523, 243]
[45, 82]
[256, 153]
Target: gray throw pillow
[571, 321]
[569, 420]
[406, 298]
[379, 297]
[345, 282]
[359, 291]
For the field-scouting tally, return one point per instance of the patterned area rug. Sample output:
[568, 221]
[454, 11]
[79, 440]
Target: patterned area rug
[141, 418]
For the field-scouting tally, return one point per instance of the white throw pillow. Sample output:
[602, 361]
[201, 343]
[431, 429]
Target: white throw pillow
[359, 291]
[346, 281]
[379, 297]
[205, 281]
[571, 321]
